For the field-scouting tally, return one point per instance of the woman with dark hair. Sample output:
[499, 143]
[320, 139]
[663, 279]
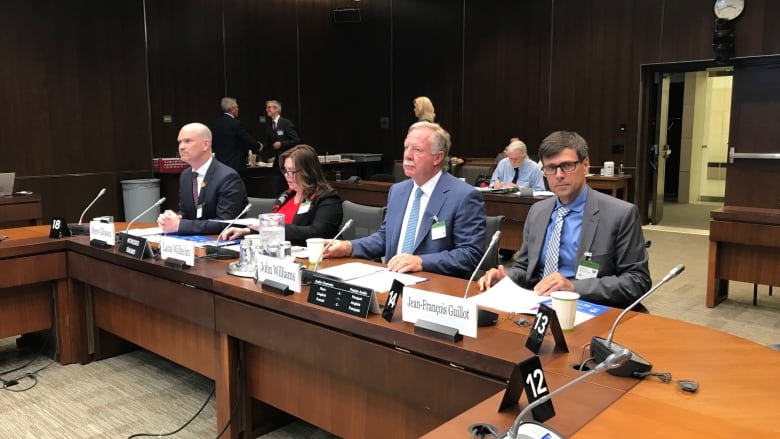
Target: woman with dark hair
[311, 208]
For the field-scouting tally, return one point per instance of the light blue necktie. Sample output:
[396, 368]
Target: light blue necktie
[411, 226]
[554, 246]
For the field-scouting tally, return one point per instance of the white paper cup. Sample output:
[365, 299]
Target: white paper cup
[565, 305]
[314, 247]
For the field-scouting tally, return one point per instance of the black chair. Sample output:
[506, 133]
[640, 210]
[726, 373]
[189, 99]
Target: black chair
[389, 178]
[365, 219]
[260, 205]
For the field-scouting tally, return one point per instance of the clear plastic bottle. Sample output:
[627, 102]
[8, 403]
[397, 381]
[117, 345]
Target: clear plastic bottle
[620, 168]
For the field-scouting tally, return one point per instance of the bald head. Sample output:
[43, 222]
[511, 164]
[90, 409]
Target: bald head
[195, 144]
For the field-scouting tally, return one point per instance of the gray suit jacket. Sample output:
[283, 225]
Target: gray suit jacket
[611, 231]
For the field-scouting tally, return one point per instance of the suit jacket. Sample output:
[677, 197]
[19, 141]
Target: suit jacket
[232, 142]
[223, 197]
[611, 231]
[288, 138]
[321, 221]
[456, 203]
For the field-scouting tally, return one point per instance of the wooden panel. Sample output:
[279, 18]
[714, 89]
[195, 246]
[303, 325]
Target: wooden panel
[189, 344]
[32, 269]
[25, 309]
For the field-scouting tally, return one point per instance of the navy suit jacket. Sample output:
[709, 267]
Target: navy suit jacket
[222, 195]
[232, 142]
[456, 203]
[611, 231]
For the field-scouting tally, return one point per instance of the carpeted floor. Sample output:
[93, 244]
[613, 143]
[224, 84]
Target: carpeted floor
[141, 392]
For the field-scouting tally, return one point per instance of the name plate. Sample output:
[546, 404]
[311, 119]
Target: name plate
[455, 312]
[177, 249]
[134, 246]
[279, 270]
[99, 231]
[342, 296]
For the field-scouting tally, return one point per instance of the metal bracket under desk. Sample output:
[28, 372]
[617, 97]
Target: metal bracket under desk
[752, 155]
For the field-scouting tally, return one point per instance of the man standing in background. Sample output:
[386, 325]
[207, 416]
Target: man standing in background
[280, 134]
[232, 142]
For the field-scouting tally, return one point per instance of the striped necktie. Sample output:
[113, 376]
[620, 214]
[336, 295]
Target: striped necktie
[411, 225]
[554, 245]
[195, 188]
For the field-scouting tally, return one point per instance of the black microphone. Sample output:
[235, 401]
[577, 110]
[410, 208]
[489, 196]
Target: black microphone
[614, 360]
[79, 229]
[493, 242]
[344, 228]
[157, 203]
[484, 317]
[601, 348]
[215, 251]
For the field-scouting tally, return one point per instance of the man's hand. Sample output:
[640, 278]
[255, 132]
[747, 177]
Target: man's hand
[234, 233]
[553, 282]
[168, 221]
[404, 263]
[337, 249]
[277, 144]
[491, 277]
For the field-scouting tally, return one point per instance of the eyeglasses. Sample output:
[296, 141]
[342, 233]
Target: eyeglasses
[567, 167]
[289, 172]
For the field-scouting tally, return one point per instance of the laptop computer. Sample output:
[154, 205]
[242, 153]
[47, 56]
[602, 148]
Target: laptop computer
[7, 183]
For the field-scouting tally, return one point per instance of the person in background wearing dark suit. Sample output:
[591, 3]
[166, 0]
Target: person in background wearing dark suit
[580, 240]
[208, 189]
[232, 142]
[311, 208]
[280, 134]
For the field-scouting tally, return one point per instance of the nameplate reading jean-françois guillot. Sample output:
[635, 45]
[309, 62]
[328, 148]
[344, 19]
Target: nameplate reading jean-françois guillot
[340, 296]
[455, 312]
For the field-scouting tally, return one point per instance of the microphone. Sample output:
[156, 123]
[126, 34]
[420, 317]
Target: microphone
[601, 348]
[230, 224]
[493, 242]
[484, 317]
[157, 203]
[78, 229]
[344, 228]
[215, 251]
[614, 360]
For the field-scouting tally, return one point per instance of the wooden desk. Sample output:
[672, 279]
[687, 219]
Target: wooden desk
[18, 210]
[732, 373]
[612, 183]
[513, 207]
[371, 378]
[744, 246]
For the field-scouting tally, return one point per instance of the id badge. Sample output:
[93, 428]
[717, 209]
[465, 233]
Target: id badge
[438, 230]
[304, 207]
[587, 269]
[279, 132]
[199, 211]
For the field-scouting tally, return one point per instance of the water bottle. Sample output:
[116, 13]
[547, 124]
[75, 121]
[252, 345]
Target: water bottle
[620, 168]
[338, 175]
[245, 255]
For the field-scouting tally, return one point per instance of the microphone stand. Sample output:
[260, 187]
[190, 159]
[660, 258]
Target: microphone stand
[218, 252]
[79, 229]
[614, 360]
[601, 348]
[484, 317]
[347, 225]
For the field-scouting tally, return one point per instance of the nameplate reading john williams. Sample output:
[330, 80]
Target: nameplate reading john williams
[340, 296]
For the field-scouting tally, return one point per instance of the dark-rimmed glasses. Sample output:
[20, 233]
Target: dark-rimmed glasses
[567, 167]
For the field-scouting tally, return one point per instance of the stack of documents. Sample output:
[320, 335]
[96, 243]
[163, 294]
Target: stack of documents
[378, 278]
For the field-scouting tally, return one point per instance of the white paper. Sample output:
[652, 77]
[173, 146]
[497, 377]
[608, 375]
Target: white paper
[351, 270]
[509, 297]
[378, 278]
[543, 194]
[241, 221]
[149, 231]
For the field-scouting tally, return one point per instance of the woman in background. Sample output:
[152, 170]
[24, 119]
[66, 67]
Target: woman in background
[423, 109]
[311, 208]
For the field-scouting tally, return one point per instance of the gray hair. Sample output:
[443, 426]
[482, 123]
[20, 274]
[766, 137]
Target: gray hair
[275, 103]
[517, 145]
[227, 104]
[440, 138]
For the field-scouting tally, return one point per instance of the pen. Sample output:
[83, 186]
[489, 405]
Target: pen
[435, 219]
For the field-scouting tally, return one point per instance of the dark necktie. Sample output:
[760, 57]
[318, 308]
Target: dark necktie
[274, 125]
[517, 173]
[195, 188]
[554, 245]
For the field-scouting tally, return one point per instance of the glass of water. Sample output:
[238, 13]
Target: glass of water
[271, 230]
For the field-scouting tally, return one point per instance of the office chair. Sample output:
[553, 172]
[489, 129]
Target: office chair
[260, 205]
[389, 178]
[365, 219]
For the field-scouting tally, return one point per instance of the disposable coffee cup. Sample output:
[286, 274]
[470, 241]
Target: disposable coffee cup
[314, 246]
[565, 305]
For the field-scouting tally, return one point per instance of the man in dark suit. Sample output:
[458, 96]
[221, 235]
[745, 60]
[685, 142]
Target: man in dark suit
[601, 249]
[434, 221]
[208, 189]
[232, 142]
[280, 134]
